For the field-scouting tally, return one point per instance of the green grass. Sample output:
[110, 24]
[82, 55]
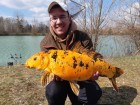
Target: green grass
[21, 86]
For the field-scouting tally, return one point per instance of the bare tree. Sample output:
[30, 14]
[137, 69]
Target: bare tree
[35, 24]
[94, 18]
[2, 25]
[131, 21]
[19, 19]
[9, 25]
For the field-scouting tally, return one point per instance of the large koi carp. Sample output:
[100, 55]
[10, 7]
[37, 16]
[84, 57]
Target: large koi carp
[72, 66]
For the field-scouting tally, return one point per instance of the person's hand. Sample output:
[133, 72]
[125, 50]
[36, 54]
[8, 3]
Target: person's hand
[95, 76]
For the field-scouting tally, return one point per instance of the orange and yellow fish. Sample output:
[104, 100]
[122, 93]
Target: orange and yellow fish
[72, 66]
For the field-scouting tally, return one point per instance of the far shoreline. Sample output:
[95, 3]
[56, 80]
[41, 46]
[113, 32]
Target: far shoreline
[23, 34]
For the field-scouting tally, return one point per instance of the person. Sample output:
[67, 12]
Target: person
[64, 35]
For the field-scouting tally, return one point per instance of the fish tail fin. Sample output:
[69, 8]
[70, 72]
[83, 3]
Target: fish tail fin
[74, 87]
[113, 81]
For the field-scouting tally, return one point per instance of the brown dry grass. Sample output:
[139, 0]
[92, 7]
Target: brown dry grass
[129, 82]
[21, 86]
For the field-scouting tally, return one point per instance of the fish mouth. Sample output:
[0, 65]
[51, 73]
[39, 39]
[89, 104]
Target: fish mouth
[113, 81]
[27, 66]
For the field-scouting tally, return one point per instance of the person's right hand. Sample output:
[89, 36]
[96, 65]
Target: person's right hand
[95, 76]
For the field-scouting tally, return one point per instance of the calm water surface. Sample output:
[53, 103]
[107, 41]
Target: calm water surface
[18, 48]
[113, 46]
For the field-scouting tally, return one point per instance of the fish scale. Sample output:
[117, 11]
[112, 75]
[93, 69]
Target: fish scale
[69, 65]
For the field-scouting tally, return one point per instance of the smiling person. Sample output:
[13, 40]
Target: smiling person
[64, 35]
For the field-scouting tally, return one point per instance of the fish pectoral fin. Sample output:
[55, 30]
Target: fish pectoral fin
[45, 78]
[113, 81]
[74, 87]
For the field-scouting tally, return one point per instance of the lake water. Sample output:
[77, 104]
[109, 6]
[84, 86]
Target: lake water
[113, 46]
[18, 48]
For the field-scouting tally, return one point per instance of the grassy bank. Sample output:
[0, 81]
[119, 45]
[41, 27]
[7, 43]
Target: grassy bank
[21, 86]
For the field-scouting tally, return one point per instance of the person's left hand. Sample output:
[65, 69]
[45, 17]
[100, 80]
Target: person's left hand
[95, 76]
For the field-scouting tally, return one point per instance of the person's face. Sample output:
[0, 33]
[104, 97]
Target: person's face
[59, 21]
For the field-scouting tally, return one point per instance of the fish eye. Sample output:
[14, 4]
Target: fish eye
[35, 58]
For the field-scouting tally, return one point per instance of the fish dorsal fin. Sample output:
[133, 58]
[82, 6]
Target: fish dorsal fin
[76, 47]
[75, 87]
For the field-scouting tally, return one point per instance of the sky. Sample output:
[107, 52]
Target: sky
[28, 9]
